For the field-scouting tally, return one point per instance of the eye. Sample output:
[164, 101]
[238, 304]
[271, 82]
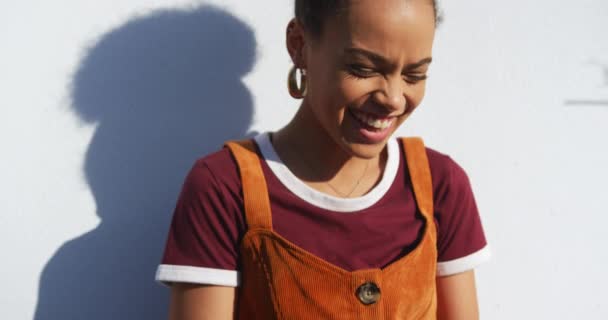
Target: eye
[360, 71]
[414, 78]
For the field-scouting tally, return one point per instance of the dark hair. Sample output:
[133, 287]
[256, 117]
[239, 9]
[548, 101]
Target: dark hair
[312, 13]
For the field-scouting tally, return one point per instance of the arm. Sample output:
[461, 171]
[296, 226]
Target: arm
[201, 302]
[457, 297]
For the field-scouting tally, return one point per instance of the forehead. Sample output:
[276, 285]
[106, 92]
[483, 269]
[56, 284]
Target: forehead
[393, 28]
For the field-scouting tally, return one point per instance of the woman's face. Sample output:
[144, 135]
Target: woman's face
[366, 71]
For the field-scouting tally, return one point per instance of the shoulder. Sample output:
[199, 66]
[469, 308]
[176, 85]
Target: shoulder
[461, 241]
[216, 169]
[207, 225]
[445, 172]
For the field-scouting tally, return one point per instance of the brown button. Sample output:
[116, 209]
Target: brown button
[368, 293]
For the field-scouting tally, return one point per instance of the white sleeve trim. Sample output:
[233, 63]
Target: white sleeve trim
[220, 277]
[448, 268]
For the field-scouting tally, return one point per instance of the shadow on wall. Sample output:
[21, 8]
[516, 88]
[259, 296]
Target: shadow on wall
[163, 89]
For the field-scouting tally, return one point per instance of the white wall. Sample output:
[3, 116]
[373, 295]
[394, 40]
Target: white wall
[105, 104]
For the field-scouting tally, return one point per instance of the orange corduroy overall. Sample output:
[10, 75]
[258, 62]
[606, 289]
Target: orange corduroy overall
[283, 281]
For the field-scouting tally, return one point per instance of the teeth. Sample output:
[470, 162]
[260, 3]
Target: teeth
[373, 122]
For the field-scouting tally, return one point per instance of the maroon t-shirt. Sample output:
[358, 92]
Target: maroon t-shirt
[209, 223]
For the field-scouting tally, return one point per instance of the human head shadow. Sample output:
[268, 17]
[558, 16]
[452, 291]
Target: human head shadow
[163, 89]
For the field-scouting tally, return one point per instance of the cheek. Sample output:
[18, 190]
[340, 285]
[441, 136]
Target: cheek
[338, 93]
[414, 96]
[324, 85]
[356, 91]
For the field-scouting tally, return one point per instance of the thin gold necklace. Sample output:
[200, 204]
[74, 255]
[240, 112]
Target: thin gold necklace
[347, 195]
[341, 194]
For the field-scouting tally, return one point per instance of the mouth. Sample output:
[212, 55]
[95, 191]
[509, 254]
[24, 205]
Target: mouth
[372, 122]
[371, 128]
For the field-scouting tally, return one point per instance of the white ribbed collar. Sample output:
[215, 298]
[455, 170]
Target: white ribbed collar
[320, 199]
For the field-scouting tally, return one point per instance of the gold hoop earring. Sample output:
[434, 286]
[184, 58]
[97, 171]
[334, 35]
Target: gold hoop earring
[298, 92]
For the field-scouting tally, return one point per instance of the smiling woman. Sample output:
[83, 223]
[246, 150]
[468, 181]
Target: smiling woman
[330, 217]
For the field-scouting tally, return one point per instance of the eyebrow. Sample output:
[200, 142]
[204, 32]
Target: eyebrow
[378, 58]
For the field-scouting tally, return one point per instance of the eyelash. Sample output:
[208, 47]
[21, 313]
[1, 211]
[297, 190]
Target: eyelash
[361, 72]
[415, 79]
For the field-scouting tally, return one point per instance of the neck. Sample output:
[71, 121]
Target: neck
[317, 159]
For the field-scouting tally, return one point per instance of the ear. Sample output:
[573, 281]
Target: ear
[296, 43]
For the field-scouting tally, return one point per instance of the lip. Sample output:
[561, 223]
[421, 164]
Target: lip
[368, 134]
[371, 114]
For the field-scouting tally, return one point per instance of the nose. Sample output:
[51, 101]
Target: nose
[391, 95]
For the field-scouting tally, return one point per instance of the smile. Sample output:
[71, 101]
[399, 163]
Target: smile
[372, 121]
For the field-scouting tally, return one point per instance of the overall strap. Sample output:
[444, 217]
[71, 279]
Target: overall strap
[420, 174]
[255, 192]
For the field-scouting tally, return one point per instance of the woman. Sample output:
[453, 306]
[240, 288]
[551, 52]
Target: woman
[329, 217]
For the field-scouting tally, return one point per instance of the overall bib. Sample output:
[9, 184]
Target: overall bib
[283, 281]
